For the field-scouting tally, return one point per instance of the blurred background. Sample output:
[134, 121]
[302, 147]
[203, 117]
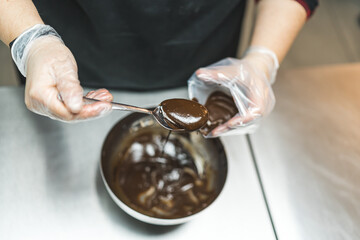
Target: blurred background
[331, 36]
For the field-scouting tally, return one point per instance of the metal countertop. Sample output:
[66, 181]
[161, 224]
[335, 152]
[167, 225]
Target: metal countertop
[308, 154]
[50, 186]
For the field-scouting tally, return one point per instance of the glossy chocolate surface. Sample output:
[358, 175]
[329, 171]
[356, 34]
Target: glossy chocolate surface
[221, 108]
[184, 114]
[160, 181]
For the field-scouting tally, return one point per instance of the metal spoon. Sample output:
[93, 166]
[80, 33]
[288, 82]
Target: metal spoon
[156, 113]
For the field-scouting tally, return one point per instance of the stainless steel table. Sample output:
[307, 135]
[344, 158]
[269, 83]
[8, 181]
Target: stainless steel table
[308, 154]
[50, 186]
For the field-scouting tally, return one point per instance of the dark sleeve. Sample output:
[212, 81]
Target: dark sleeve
[309, 5]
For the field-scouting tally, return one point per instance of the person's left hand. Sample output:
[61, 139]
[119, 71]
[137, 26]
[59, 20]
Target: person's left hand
[249, 82]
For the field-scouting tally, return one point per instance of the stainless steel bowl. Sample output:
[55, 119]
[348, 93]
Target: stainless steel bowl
[205, 152]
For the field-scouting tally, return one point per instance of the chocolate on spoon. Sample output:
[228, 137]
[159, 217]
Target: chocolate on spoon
[183, 114]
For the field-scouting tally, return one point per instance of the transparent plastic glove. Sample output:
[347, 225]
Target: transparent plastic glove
[52, 85]
[247, 80]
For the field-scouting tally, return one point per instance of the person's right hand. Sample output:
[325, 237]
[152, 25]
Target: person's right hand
[52, 85]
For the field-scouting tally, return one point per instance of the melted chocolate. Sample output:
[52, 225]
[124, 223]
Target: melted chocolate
[166, 140]
[184, 114]
[161, 181]
[221, 108]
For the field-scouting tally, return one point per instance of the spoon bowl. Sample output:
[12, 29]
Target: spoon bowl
[159, 117]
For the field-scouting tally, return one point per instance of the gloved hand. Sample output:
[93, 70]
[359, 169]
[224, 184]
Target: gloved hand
[51, 71]
[52, 85]
[247, 80]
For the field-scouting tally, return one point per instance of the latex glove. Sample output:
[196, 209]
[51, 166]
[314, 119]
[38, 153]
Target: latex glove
[248, 80]
[52, 85]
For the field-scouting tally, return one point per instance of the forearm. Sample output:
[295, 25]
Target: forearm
[277, 24]
[15, 17]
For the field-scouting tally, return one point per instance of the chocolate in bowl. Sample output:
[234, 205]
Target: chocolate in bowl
[161, 186]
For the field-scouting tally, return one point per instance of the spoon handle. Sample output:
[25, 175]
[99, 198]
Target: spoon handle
[120, 106]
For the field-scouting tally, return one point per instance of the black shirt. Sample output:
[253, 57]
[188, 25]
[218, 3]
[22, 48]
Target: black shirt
[142, 44]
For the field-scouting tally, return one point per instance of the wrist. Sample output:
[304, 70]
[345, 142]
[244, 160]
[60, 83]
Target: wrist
[21, 45]
[264, 60]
